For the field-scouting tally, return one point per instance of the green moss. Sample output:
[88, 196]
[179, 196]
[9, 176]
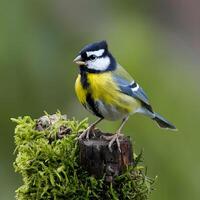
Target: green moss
[48, 163]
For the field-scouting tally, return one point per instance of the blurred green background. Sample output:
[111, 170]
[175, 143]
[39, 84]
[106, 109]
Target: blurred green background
[158, 42]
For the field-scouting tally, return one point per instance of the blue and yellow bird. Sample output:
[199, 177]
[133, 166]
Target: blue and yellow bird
[105, 89]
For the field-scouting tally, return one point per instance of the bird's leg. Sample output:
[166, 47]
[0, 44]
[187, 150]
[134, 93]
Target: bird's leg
[86, 133]
[116, 136]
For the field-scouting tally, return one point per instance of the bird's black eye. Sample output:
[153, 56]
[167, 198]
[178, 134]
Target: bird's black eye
[92, 57]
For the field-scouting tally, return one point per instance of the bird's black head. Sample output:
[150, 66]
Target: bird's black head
[96, 58]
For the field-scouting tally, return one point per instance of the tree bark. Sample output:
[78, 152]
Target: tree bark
[98, 160]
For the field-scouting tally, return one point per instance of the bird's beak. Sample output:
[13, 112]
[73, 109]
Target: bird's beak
[78, 60]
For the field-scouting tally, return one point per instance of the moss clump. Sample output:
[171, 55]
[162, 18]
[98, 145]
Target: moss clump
[47, 159]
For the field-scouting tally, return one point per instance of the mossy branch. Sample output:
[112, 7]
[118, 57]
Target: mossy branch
[48, 160]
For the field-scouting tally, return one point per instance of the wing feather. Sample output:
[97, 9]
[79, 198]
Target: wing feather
[128, 86]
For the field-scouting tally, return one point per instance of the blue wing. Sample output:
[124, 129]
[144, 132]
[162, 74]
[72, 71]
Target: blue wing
[129, 87]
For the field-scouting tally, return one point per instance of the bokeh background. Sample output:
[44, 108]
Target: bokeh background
[158, 42]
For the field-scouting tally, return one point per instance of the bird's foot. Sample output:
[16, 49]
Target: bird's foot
[112, 139]
[86, 133]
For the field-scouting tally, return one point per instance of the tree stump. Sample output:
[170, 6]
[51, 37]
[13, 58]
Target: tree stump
[98, 160]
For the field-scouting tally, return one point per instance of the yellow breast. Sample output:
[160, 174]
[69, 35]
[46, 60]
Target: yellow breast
[103, 88]
[80, 91]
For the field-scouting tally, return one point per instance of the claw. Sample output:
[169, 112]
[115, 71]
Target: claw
[86, 133]
[82, 135]
[113, 138]
[89, 130]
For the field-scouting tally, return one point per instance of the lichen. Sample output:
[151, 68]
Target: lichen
[47, 159]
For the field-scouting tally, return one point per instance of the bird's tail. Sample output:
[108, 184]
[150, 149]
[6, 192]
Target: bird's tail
[163, 123]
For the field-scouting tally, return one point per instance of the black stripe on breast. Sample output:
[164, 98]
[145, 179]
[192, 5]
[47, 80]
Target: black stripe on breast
[84, 79]
[92, 105]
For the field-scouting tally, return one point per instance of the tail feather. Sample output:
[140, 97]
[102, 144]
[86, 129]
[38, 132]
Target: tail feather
[163, 123]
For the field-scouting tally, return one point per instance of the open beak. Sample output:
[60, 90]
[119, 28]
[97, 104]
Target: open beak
[78, 60]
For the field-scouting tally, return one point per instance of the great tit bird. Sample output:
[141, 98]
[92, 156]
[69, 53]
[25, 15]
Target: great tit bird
[105, 89]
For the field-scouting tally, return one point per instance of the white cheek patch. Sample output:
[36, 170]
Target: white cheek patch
[96, 53]
[100, 64]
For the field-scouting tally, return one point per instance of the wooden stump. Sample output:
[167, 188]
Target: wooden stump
[97, 159]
